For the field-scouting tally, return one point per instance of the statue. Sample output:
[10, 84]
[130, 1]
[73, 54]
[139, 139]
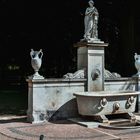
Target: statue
[91, 24]
[36, 61]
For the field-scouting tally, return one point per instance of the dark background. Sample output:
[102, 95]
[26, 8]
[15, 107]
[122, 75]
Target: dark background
[55, 26]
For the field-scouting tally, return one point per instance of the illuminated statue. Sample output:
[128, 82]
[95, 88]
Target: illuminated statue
[90, 22]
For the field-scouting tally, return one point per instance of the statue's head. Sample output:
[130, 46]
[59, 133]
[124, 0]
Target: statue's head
[91, 2]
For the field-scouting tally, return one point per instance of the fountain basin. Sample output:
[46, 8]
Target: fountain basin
[101, 103]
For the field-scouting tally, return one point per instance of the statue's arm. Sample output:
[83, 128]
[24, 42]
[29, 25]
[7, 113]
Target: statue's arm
[89, 11]
[95, 12]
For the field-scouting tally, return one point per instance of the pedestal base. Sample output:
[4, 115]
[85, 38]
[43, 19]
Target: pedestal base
[92, 40]
[36, 116]
[32, 77]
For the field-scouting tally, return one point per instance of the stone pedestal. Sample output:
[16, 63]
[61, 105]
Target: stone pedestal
[91, 58]
[52, 99]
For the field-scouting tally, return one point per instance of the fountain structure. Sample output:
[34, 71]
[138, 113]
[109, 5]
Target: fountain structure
[96, 95]
[96, 102]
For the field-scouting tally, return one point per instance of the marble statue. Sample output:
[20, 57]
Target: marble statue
[91, 23]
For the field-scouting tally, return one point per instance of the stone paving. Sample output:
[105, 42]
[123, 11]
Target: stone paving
[16, 128]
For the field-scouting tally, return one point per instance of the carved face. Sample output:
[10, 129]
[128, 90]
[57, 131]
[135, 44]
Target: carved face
[91, 3]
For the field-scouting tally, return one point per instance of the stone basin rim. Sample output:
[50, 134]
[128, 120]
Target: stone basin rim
[106, 93]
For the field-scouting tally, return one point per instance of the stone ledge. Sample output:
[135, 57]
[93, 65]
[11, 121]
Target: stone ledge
[55, 80]
[86, 44]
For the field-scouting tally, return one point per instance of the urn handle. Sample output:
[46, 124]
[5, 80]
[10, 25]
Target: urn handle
[32, 53]
[35, 54]
[40, 53]
[136, 56]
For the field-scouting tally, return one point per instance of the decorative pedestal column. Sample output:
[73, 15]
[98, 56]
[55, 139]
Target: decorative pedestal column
[91, 58]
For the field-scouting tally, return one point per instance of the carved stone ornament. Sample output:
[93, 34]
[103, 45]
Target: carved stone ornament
[77, 75]
[111, 75]
[36, 61]
[81, 74]
[137, 63]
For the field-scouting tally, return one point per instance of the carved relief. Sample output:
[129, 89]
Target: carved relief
[94, 74]
[78, 74]
[113, 75]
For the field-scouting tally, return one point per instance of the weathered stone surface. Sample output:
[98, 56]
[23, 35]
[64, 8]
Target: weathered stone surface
[91, 58]
[101, 103]
[52, 98]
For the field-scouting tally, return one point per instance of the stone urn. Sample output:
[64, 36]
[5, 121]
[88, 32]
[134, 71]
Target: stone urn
[36, 61]
[137, 63]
